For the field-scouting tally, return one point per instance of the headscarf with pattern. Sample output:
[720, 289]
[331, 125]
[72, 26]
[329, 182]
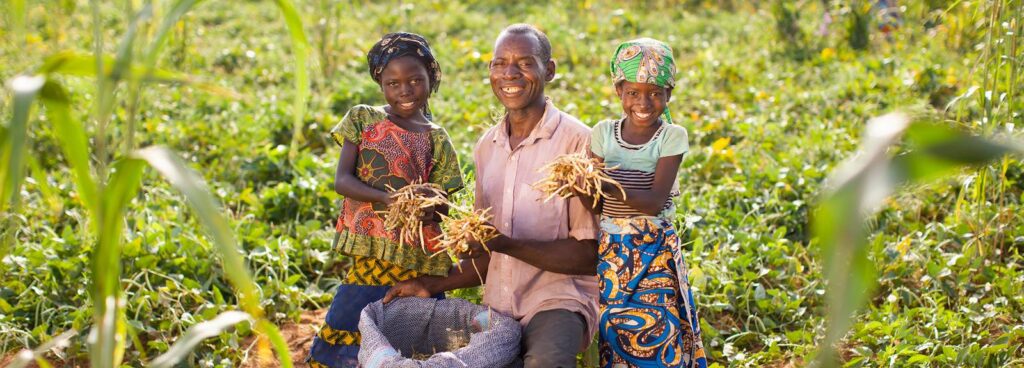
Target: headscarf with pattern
[645, 60]
[399, 44]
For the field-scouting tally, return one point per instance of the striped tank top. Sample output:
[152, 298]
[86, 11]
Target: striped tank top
[631, 179]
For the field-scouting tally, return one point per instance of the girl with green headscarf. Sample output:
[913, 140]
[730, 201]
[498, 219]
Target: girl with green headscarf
[648, 317]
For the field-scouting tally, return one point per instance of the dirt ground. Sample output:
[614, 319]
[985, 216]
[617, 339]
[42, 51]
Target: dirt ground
[299, 336]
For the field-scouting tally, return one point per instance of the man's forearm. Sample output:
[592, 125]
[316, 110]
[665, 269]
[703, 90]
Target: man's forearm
[566, 256]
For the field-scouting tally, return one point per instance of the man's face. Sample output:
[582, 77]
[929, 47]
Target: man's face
[518, 73]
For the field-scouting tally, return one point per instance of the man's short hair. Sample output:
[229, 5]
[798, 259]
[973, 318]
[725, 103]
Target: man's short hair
[527, 29]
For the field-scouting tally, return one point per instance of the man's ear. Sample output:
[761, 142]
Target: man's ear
[550, 70]
[618, 89]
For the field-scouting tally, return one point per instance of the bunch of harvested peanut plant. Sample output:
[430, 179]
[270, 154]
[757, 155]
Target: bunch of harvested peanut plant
[409, 206]
[576, 172]
[464, 226]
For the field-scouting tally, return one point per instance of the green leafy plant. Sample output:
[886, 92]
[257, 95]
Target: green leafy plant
[106, 191]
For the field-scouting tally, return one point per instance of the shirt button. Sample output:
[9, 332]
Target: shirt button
[506, 224]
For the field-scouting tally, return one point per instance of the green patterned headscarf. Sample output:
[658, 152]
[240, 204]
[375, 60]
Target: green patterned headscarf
[645, 60]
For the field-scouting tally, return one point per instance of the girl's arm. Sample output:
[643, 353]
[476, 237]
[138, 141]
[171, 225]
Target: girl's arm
[651, 201]
[347, 184]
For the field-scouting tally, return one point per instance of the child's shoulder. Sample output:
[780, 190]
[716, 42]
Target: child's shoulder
[603, 130]
[673, 131]
[674, 140]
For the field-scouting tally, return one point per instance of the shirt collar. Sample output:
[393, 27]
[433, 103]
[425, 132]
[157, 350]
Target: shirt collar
[543, 130]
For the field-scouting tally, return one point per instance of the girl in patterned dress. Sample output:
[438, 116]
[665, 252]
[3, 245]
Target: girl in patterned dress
[648, 317]
[384, 148]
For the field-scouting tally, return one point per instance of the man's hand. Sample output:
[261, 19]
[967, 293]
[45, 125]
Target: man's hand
[477, 249]
[411, 287]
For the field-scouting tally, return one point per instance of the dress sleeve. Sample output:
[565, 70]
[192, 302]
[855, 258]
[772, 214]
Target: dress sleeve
[675, 142]
[350, 128]
[446, 172]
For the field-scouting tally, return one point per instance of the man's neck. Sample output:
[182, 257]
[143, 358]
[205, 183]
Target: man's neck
[522, 122]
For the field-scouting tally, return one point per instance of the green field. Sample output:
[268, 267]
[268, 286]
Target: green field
[773, 106]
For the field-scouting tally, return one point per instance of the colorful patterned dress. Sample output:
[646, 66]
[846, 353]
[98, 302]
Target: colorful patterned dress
[389, 156]
[648, 317]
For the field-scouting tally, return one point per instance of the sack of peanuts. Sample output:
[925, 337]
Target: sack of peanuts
[426, 332]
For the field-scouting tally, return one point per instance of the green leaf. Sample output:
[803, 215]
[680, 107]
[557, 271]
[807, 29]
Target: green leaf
[73, 141]
[84, 65]
[300, 47]
[918, 358]
[193, 336]
[936, 150]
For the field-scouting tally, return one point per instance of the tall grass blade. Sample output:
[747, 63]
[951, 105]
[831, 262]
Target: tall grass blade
[12, 155]
[160, 37]
[300, 47]
[125, 54]
[16, 17]
[73, 141]
[12, 151]
[201, 331]
[109, 327]
[149, 62]
[104, 92]
[125, 49]
[206, 208]
[277, 341]
[861, 185]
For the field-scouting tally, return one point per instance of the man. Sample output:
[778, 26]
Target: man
[542, 269]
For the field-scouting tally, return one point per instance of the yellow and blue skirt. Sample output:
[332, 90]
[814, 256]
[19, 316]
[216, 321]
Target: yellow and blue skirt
[648, 317]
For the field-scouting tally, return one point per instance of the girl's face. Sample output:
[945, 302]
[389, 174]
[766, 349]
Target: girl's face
[642, 103]
[406, 86]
